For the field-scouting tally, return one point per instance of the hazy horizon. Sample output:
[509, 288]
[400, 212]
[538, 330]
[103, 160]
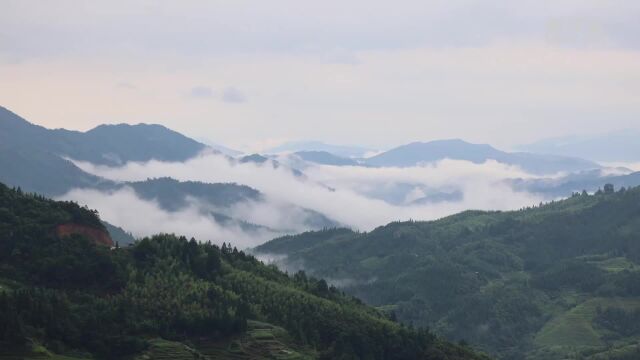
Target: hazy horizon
[251, 75]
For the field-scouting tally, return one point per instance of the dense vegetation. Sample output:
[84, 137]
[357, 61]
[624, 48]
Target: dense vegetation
[543, 282]
[83, 300]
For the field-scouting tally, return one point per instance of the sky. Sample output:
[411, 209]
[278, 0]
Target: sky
[253, 74]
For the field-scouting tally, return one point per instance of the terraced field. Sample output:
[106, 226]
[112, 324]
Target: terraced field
[36, 353]
[161, 349]
[261, 341]
[616, 264]
[574, 332]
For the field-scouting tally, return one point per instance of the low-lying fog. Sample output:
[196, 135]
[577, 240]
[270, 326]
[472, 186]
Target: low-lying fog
[358, 197]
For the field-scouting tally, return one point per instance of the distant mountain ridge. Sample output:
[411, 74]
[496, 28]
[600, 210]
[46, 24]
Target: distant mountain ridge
[420, 153]
[417, 153]
[590, 181]
[616, 146]
[104, 144]
[339, 150]
[33, 157]
[325, 158]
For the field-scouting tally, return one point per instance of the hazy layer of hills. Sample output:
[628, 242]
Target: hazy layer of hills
[35, 159]
[591, 181]
[418, 153]
[166, 297]
[614, 147]
[217, 199]
[104, 145]
[325, 158]
[557, 281]
[338, 150]
[577, 174]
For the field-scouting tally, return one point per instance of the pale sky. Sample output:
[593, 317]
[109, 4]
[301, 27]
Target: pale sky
[249, 74]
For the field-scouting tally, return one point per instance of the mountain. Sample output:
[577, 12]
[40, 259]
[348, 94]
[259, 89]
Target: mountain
[548, 282]
[325, 158]
[119, 236]
[590, 181]
[42, 171]
[219, 201]
[420, 152]
[613, 147]
[34, 157]
[338, 150]
[220, 148]
[261, 160]
[118, 144]
[105, 144]
[66, 296]
[173, 195]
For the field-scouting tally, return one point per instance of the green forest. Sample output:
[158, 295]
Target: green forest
[169, 297]
[559, 280]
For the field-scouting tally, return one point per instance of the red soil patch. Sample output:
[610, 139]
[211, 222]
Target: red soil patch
[99, 236]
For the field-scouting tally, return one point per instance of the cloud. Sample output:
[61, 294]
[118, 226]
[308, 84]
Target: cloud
[233, 95]
[144, 218]
[340, 56]
[200, 28]
[228, 94]
[201, 92]
[126, 85]
[620, 167]
[345, 199]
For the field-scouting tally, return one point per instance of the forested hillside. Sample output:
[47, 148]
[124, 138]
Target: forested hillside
[66, 295]
[546, 282]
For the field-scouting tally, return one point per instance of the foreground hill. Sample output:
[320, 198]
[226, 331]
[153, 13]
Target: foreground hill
[548, 282]
[68, 295]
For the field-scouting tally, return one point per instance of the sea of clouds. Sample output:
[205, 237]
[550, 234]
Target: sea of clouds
[350, 195]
